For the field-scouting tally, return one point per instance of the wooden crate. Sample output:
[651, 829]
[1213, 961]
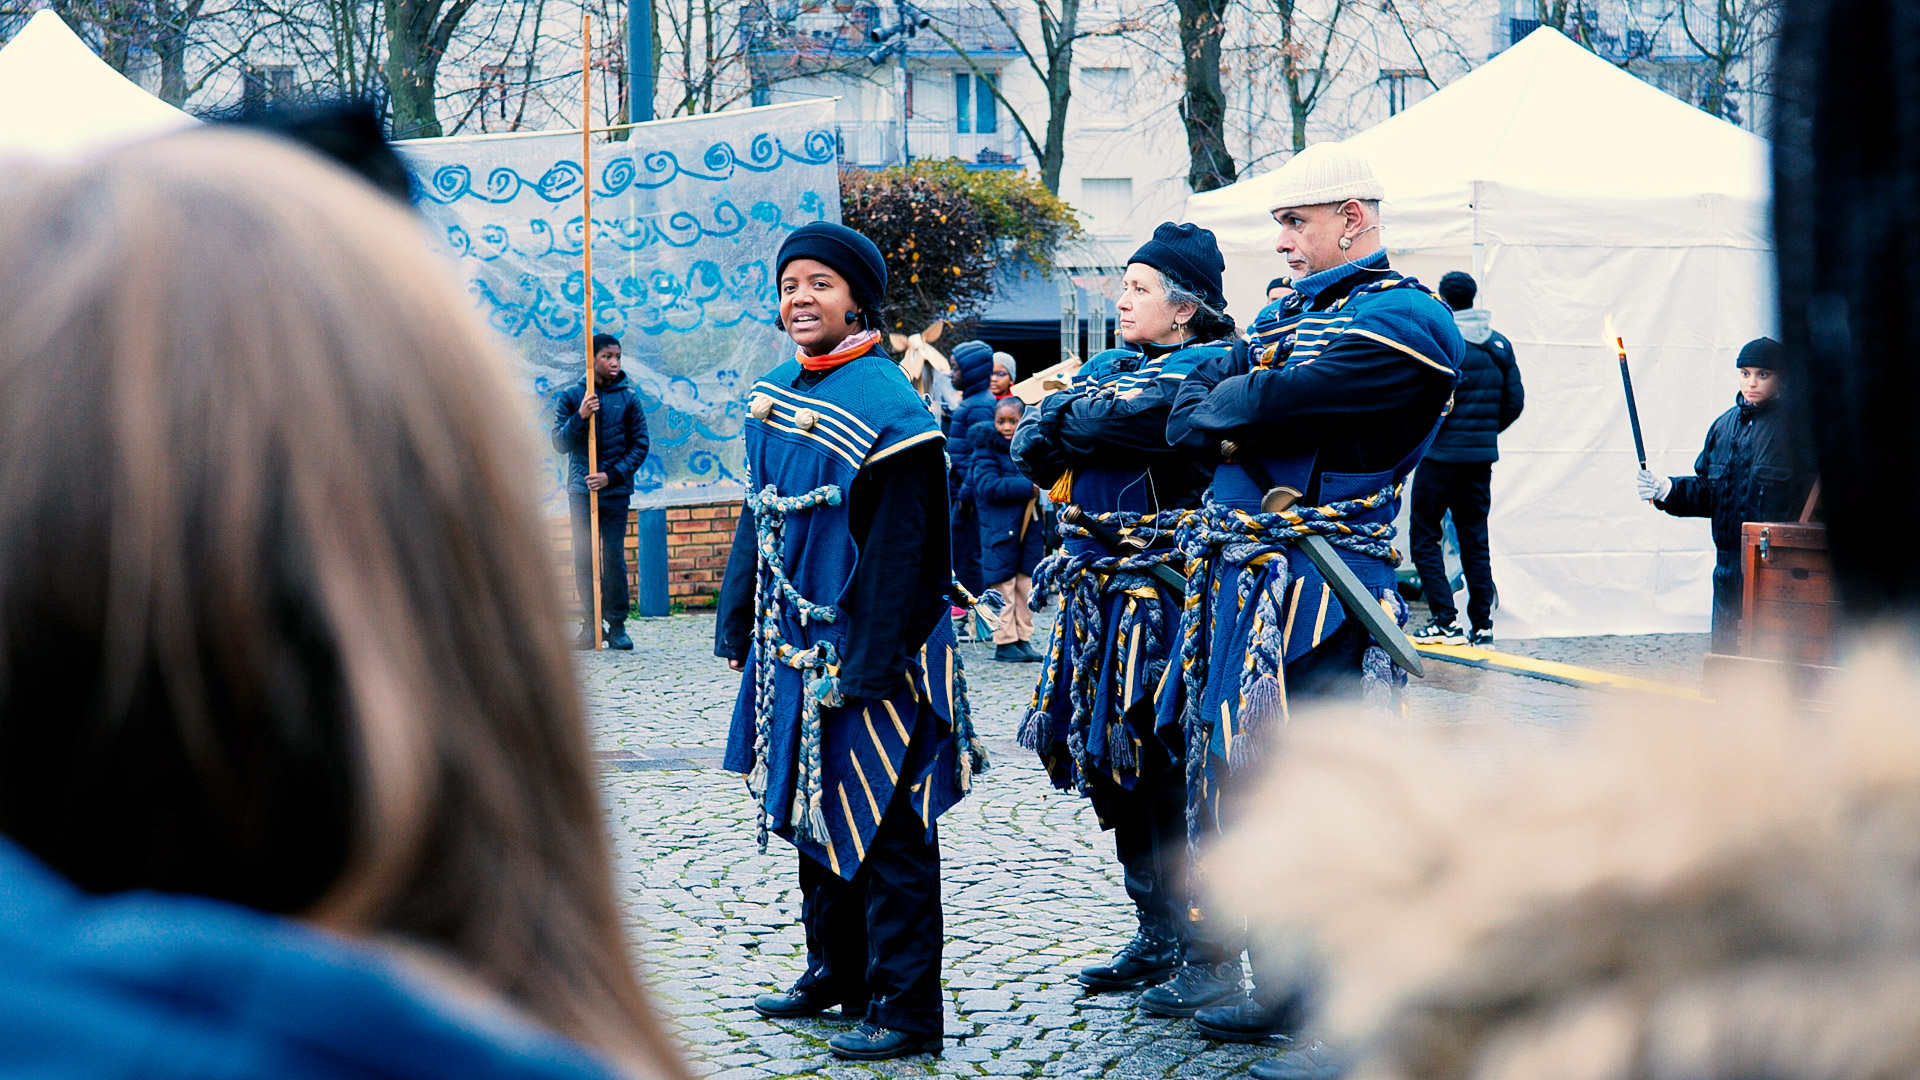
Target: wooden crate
[1790, 610]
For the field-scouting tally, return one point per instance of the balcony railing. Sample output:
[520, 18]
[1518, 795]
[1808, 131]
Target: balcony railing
[877, 143]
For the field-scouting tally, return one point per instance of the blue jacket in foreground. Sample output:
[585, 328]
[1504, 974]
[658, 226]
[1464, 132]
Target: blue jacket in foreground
[141, 985]
[621, 432]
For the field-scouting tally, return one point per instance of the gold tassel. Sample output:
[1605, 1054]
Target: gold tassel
[1062, 491]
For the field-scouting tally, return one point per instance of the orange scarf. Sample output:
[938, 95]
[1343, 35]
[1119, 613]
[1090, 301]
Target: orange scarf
[852, 348]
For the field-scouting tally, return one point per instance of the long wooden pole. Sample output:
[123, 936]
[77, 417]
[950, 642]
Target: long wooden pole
[586, 326]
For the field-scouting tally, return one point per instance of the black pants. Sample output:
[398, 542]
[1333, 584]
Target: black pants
[1328, 675]
[1729, 602]
[875, 941]
[966, 548]
[1149, 826]
[1467, 491]
[613, 557]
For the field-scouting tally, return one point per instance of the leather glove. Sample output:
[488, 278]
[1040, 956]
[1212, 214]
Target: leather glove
[1654, 488]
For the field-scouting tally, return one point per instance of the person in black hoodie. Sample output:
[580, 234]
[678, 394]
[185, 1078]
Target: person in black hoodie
[1011, 539]
[1457, 473]
[1747, 471]
[972, 376]
[621, 435]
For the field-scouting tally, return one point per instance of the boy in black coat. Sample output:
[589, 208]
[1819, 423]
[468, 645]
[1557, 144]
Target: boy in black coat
[621, 438]
[972, 374]
[1011, 538]
[1747, 471]
[1457, 474]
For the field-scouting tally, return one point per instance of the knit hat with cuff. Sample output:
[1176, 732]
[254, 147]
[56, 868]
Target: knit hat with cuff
[1190, 256]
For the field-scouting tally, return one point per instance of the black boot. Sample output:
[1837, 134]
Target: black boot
[802, 1000]
[1151, 957]
[1252, 1019]
[871, 1042]
[1194, 987]
[1014, 653]
[617, 636]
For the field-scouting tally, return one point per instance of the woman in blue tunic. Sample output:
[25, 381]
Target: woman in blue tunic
[851, 724]
[1102, 447]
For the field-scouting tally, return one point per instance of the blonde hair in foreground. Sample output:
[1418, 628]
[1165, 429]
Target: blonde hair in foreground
[1676, 892]
[276, 620]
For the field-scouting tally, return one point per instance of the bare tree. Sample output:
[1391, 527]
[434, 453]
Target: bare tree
[1203, 105]
[418, 34]
[1060, 29]
[1725, 33]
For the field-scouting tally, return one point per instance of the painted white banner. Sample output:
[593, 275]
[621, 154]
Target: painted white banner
[687, 217]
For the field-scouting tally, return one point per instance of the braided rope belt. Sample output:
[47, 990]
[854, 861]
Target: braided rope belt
[1083, 580]
[818, 664]
[1221, 538]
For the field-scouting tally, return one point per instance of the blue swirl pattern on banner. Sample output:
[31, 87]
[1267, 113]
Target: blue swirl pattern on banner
[685, 228]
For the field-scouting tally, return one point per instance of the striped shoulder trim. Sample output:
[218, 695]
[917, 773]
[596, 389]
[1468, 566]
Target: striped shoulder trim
[911, 440]
[818, 404]
[1408, 349]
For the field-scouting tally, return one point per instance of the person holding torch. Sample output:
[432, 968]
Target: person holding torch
[1747, 471]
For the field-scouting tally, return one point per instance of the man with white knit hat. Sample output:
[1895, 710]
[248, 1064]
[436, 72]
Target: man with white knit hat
[1325, 417]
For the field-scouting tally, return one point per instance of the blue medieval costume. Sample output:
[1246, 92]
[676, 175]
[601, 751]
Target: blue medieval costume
[1346, 384]
[1101, 446]
[851, 723]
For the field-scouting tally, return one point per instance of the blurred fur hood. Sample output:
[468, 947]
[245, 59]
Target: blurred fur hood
[1676, 892]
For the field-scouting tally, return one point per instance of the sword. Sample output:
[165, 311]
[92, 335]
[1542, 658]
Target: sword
[1346, 584]
[1107, 538]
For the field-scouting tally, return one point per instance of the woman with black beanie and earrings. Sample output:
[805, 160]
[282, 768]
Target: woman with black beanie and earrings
[851, 724]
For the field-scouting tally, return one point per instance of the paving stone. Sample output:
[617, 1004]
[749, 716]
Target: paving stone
[1032, 892]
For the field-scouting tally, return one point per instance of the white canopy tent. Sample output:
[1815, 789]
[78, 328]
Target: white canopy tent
[64, 101]
[1572, 190]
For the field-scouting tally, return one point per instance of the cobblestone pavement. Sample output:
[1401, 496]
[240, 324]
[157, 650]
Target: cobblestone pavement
[1032, 892]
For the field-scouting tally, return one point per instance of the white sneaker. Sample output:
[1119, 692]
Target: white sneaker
[1440, 633]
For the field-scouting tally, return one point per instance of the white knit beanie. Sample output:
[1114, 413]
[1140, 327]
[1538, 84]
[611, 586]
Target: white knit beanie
[1323, 173]
[1005, 360]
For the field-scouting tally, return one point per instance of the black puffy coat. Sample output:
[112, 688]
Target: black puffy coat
[620, 431]
[1746, 472]
[1486, 401]
[1011, 541]
[971, 377]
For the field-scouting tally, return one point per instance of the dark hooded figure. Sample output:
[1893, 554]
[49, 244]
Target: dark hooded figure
[851, 724]
[973, 377]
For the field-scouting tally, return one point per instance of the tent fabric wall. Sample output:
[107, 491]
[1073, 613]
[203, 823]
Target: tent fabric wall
[1573, 191]
[66, 101]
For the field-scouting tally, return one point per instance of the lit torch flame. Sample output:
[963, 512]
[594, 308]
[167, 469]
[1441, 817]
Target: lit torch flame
[1614, 340]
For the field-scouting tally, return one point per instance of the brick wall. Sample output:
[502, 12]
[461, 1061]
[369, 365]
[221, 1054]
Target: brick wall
[698, 540]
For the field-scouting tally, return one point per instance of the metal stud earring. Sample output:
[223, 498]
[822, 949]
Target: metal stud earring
[1346, 242]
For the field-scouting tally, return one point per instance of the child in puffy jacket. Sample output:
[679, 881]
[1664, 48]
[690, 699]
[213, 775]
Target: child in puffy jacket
[1011, 533]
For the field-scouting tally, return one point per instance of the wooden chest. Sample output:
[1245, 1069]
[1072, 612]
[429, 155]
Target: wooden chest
[1790, 611]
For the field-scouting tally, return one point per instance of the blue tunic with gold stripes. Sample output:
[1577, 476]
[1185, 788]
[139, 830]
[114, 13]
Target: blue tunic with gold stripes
[1347, 383]
[825, 767]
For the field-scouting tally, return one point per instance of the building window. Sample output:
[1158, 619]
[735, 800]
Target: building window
[975, 110]
[1107, 86]
[1108, 200]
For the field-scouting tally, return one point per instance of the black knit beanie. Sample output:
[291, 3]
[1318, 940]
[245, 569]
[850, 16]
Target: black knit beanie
[847, 252]
[1761, 352]
[1190, 257]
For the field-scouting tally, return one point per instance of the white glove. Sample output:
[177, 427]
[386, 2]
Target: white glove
[1654, 488]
